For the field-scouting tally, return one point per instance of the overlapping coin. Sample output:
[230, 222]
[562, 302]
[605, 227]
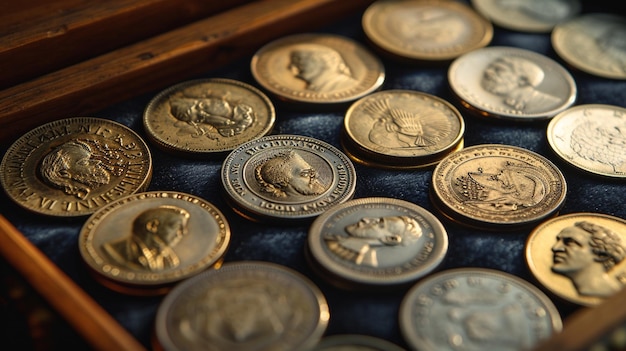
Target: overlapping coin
[319, 69]
[511, 83]
[425, 31]
[476, 309]
[286, 177]
[144, 243]
[208, 116]
[497, 187]
[579, 257]
[376, 243]
[402, 129]
[75, 166]
[243, 306]
[591, 137]
[355, 342]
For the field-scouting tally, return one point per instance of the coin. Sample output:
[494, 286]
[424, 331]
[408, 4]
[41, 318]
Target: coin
[581, 40]
[579, 257]
[72, 167]
[243, 306]
[592, 138]
[208, 116]
[511, 83]
[476, 309]
[355, 342]
[145, 242]
[403, 128]
[494, 186]
[377, 242]
[317, 69]
[425, 30]
[287, 177]
[528, 16]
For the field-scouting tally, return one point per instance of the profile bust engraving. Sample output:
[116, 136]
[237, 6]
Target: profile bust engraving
[322, 68]
[287, 174]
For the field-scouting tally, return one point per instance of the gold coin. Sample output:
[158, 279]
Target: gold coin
[317, 69]
[591, 137]
[146, 242]
[425, 30]
[208, 116]
[579, 257]
[75, 166]
[495, 186]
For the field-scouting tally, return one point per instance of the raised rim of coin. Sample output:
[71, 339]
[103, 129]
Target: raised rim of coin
[287, 177]
[108, 241]
[377, 242]
[292, 311]
[585, 137]
[72, 167]
[317, 68]
[487, 80]
[355, 342]
[559, 239]
[394, 26]
[441, 310]
[208, 116]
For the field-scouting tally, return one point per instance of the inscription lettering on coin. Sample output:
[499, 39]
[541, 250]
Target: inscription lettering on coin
[287, 174]
[322, 68]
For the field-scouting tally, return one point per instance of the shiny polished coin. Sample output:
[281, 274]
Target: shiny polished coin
[403, 128]
[287, 177]
[75, 166]
[536, 16]
[144, 243]
[579, 257]
[425, 30]
[476, 309]
[355, 342]
[243, 306]
[495, 186]
[208, 116]
[317, 69]
[512, 83]
[593, 43]
[592, 138]
[377, 242]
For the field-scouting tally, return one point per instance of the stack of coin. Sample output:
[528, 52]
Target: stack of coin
[401, 129]
[289, 178]
[497, 187]
[144, 243]
[375, 244]
[242, 306]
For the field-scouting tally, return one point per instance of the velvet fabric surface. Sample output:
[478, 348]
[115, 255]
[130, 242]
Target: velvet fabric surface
[352, 312]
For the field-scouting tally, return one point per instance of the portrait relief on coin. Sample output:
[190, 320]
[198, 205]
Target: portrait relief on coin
[320, 67]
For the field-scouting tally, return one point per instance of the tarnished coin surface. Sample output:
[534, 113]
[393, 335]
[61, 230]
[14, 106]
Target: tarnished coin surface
[208, 116]
[528, 15]
[355, 342]
[476, 309]
[377, 242]
[74, 166]
[591, 137]
[243, 306]
[425, 30]
[593, 43]
[512, 83]
[288, 177]
[403, 128]
[145, 242]
[496, 186]
[317, 69]
[579, 257]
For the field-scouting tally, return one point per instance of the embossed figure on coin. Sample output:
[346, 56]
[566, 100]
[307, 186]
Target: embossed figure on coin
[287, 174]
[613, 44]
[366, 236]
[150, 246]
[516, 80]
[321, 68]
[72, 168]
[586, 253]
[431, 25]
[597, 142]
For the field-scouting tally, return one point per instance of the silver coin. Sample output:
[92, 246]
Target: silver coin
[243, 306]
[289, 177]
[476, 309]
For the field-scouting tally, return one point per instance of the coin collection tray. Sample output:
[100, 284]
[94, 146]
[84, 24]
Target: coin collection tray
[351, 311]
